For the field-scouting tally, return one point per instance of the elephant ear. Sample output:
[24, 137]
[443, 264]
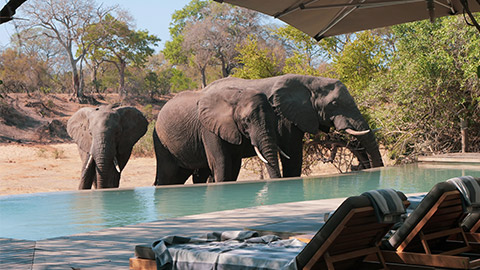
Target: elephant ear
[78, 129]
[294, 100]
[134, 126]
[215, 112]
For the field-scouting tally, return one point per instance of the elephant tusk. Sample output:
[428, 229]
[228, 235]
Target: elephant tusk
[356, 133]
[377, 129]
[283, 154]
[260, 155]
[89, 161]
[115, 162]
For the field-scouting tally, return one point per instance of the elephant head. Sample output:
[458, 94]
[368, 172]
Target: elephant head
[235, 114]
[316, 104]
[105, 137]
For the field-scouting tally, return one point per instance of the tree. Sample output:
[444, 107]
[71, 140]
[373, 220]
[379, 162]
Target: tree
[65, 22]
[361, 59]
[304, 52]
[180, 18]
[199, 51]
[22, 72]
[113, 41]
[256, 62]
[209, 32]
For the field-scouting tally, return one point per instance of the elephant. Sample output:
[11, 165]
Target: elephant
[105, 136]
[199, 133]
[308, 104]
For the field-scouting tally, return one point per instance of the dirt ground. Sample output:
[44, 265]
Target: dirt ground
[57, 167]
[28, 168]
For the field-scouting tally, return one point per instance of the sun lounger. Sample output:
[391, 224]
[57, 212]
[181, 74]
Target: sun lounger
[425, 238]
[351, 234]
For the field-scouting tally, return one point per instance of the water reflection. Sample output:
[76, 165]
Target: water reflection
[173, 202]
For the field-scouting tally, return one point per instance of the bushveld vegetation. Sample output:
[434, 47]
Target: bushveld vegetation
[417, 82]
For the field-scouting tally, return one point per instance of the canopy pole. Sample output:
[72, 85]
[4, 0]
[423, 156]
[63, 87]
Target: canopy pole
[466, 9]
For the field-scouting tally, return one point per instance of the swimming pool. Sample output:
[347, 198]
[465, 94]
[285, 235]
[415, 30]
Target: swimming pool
[47, 215]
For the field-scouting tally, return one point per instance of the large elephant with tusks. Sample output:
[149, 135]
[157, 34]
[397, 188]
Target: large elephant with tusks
[208, 132]
[308, 104]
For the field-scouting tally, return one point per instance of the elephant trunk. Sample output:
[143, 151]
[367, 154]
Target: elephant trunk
[106, 170]
[268, 150]
[358, 127]
[370, 143]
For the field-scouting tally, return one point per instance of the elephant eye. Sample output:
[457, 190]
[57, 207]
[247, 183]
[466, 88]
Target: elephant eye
[334, 103]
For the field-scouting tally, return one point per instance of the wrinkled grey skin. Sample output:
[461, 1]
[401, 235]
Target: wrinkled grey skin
[203, 132]
[307, 104]
[107, 134]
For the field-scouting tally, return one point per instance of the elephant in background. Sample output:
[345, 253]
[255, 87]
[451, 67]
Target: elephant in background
[308, 104]
[105, 137]
[208, 132]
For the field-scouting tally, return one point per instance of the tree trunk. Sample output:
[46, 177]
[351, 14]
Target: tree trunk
[464, 134]
[94, 79]
[224, 67]
[204, 76]
[76, 81]
[121, 71]
[77, 86]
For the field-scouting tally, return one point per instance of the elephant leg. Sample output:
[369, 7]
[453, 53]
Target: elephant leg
[236, 166]
[116, 180]
[221, 157]
[201, 175]
[292, 145]
[168, 171]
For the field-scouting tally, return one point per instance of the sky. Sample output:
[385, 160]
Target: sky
[151, 15]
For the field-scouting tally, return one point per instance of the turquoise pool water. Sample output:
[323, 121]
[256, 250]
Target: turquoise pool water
[47, 215]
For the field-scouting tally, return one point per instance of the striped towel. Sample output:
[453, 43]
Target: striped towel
[227, 250]
[387, 204]
[470, 190]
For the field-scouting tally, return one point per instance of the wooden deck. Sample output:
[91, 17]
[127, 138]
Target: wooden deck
[452, 158]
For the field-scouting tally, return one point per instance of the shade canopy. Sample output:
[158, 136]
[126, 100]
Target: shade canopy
[324, 18]
[7, 12]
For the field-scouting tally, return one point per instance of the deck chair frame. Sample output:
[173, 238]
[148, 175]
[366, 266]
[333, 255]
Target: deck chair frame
[330, 260]
[448, 259]
[370, 254]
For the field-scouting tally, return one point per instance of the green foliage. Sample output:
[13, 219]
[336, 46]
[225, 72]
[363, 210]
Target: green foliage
[152, 82]
[256, 62]
[304, 51]
[361, 60]
[297, 64]
[173, 51]
[180, 82]
[430, 86]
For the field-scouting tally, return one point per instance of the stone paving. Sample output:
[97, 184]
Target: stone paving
[111, 248]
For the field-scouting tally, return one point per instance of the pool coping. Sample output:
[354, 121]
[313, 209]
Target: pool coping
[190, 185]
